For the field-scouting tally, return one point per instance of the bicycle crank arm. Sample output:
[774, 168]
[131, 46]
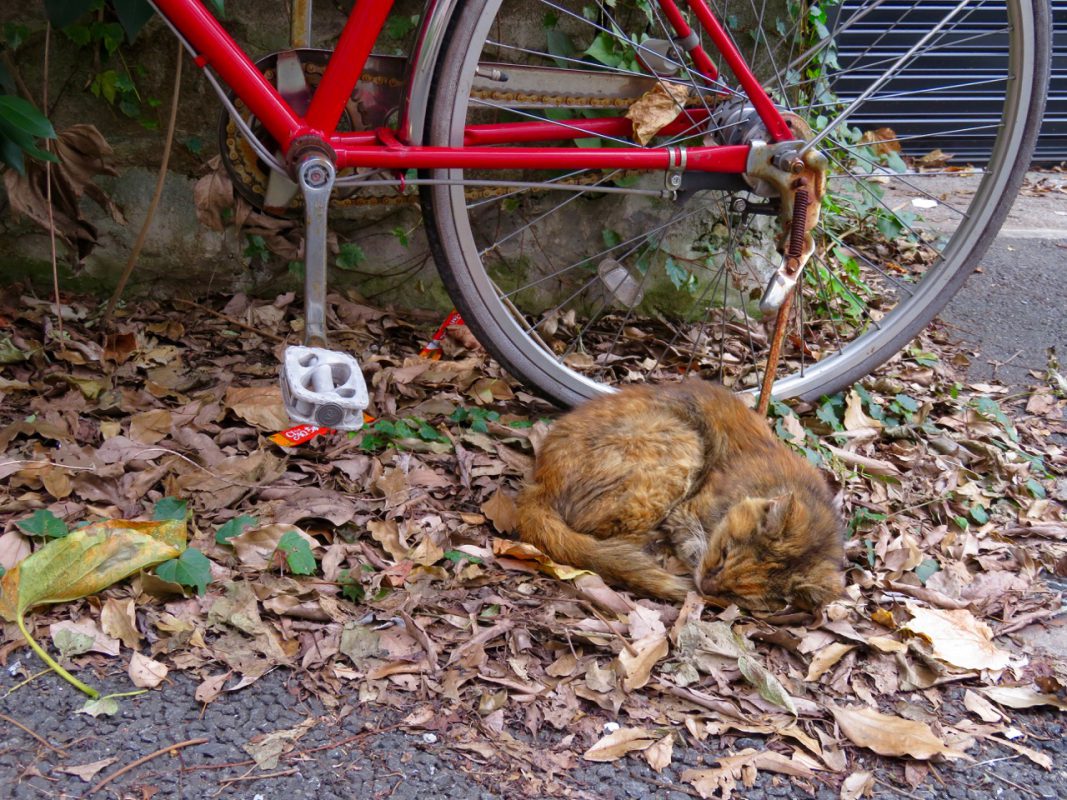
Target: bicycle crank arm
[799, 180]
[319, 386]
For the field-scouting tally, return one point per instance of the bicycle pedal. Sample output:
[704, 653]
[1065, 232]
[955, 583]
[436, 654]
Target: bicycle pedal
[323, 387]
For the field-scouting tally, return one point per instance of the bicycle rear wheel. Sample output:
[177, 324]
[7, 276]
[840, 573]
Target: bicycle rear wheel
[576, 285]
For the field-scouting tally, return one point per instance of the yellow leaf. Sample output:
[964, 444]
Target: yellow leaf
[87, 561]
[889, 735]
[82, 563]
[615, 745]
[884, 618]
[957, 637]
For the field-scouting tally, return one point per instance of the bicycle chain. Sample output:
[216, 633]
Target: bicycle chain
[241, 156]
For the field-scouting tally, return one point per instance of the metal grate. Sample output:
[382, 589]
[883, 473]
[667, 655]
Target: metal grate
[972, 59]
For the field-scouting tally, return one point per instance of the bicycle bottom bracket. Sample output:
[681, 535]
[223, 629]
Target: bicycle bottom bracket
[323, 387]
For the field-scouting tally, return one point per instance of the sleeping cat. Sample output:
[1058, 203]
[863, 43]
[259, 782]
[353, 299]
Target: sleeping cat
[689, 466]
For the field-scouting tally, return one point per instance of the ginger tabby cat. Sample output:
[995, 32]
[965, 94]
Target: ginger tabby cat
[688, 466]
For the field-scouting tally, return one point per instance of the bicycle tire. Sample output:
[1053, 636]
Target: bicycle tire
[511, 333]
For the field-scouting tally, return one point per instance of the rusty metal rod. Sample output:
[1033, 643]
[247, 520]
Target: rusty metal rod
[780, 323]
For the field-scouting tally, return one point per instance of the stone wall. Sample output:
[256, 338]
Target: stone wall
[180, 253]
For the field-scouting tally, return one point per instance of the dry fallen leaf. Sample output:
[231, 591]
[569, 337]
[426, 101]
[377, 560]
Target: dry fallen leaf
[84, 636]
[978, 705]
[146, 673]
[657, 108]
[637, 666]
[117, 618]
[826, 658]
[13, 548]
[87, 771]
[260, 406]
[268, 749]
[1022, 697]
[890, 735]
[256, 547]
[500, 510]
[1041, 759]
[659, 755]
[858, 784]
[957, 637]
[617, 744]
[210, 688]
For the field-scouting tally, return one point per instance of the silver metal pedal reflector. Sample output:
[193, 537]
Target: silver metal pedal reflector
[323, 387]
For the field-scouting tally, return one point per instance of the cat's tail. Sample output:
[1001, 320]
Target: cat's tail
[617, 560]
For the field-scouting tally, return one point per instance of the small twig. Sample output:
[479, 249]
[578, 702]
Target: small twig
[272, 336]
[13, 71]
[36, 736]
[896, 789]
[150, 214]
[55, 464]
[278, 774]
[20, 684]
[48, 187]
[144, 759]
[622, 639]
[228, 765]
[1020, 787]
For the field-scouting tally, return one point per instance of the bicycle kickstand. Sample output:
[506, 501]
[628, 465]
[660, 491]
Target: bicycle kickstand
[320, 386]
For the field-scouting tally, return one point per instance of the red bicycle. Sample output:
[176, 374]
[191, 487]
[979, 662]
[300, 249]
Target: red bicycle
[618, 191]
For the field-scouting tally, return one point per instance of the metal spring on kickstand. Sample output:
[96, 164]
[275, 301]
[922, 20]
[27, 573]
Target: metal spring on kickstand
[797, 228]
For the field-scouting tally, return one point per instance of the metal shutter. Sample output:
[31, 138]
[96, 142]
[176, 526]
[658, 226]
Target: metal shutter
[974, 54]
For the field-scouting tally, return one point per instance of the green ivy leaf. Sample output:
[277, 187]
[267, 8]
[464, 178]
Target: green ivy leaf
[351, 588]
[927, 568]
[62, 13]
[43, 522]
[192, 568]
[350, 256]
[456, 556]
[979, 515]
[170, 508]
[1036, 489]
[907, 403]
[297, 553]
[235, 527]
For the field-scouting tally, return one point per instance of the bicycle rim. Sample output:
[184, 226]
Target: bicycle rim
[575, 290]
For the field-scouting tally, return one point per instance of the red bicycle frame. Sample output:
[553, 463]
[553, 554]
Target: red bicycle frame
[485, 146]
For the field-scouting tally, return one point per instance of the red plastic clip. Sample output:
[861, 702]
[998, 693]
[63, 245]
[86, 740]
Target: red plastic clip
[433, 347]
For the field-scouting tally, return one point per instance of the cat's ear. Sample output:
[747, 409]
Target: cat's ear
[778, 511]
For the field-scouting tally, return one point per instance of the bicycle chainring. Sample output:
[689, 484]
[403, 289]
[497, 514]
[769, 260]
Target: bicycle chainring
[373, 103]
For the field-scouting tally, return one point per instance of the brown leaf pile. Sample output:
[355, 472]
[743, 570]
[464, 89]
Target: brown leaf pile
[421, 599]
